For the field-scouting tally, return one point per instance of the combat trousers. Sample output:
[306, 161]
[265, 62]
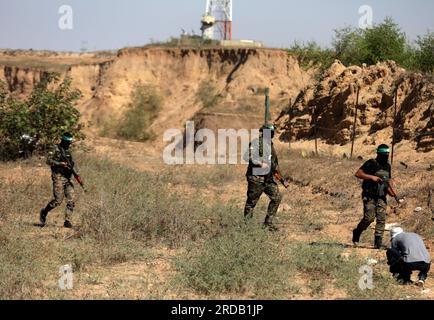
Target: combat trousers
[62, 187]
[373, 208]
[258, 185]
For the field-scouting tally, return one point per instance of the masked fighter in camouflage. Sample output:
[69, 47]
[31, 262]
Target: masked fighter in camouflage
[60, 160]
[376, 175]
[260, 176]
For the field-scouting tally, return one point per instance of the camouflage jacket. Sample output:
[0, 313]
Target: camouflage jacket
[56, 156]
[256, 152]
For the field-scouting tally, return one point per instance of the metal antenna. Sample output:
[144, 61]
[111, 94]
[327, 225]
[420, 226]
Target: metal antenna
[217, 20]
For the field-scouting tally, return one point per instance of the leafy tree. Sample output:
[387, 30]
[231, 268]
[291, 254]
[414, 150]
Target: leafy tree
[348, 44]
[43, 116]
[424, 56]
[311, 54]
[383, 42]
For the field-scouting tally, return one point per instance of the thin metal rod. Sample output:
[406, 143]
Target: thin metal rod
[394, 126]
[356, 107]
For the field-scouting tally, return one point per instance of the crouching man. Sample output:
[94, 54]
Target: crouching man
[407, 254]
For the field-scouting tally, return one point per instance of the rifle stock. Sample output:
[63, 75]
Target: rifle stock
[74, 173]
[391, 192]
[279, 177]
[78, 179]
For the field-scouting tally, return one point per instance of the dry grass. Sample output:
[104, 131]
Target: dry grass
[188, 221]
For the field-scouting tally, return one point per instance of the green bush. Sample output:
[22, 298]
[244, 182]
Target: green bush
[348, 44]
[43, 116]
[424, 56]
[141, 112]
[384, 41]
[311, 54]
[207, 94]
[355, 46]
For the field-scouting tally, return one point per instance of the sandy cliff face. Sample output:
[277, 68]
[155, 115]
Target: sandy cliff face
[238, 77]
[330, 104]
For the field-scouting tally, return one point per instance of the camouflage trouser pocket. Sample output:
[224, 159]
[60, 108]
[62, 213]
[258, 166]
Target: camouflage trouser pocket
[63, 187]
[374, 209]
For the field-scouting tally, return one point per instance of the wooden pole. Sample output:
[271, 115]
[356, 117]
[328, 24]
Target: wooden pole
[394, 126]
[290, 125]
[315, 130]
[356, 107]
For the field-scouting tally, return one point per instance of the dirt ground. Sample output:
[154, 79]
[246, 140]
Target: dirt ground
[322, 212]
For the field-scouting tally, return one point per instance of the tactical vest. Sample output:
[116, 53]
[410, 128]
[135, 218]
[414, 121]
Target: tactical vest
[378, 190]
[273, 160]
[58, 155]
[382, 188]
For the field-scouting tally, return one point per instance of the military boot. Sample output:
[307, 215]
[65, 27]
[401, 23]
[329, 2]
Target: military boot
[378, 244]
[43, 217]
[356, 236]
[67, 224]
[269, 225]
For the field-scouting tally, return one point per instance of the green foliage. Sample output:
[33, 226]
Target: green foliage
[207, 94]
[354, 46]
[311, 54]
[385, 41]
[141, 112]
[44, 115]
[349, 46]
[382, 42]
[424, 54]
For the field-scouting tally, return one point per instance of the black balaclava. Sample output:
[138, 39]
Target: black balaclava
[383, 154]
[65, 144]
[383, 158]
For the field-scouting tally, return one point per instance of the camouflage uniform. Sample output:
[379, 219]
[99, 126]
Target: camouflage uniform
[62, 183]
[374, 198]
[258, 184]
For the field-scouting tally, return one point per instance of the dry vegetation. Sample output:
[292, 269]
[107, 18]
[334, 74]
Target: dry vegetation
[178, 233]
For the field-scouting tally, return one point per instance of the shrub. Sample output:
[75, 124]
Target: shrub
[207, 94]
[312, 54]
[141, 111]
[424, 56]
[43, 116]
[384, 41]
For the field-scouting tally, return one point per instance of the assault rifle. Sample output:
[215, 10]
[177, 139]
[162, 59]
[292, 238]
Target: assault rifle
[386, 186]
[70, 166]
[279, 178]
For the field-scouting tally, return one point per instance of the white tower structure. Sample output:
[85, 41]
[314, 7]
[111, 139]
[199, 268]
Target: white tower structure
[217, 21]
